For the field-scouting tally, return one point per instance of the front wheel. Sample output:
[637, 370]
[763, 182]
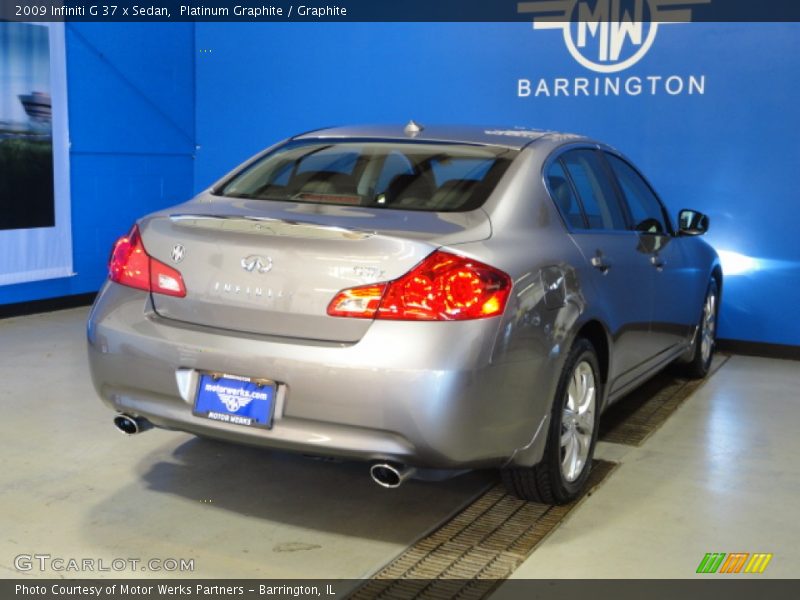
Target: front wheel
[706, 337]
[561, 475]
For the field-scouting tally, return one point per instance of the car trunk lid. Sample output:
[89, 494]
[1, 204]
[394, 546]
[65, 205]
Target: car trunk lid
[273, 268]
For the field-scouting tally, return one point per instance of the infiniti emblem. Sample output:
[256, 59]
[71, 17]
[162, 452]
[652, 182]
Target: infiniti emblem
[178, 252]
[257, 264]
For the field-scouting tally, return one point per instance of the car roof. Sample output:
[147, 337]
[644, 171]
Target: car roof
[507, 137]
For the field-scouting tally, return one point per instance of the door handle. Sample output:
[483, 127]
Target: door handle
[657, 262]
[600, 263]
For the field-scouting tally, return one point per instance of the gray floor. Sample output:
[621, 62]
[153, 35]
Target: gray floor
[71, 486]
[721, 476]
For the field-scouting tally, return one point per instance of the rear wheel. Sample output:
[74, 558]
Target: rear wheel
[561, 475]
[706, 338]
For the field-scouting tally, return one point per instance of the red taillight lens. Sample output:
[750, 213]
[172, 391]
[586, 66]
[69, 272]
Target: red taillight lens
[131, 265]
[443, 287]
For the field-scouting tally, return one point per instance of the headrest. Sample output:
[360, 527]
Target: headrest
[323, 182]
[409, 190]
[452, 194]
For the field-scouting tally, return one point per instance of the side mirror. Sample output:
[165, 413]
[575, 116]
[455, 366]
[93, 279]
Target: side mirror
[692, 222]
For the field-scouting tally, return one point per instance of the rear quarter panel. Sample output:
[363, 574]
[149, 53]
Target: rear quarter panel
[547, 304]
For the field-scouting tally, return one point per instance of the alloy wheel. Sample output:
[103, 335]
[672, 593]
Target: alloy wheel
[577, 421]
[709, 327]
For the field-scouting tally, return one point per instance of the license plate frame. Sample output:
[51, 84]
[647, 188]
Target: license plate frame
[235, 400]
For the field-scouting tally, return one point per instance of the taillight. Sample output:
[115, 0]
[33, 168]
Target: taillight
[131, 265]
[443, 287]
[361, 302]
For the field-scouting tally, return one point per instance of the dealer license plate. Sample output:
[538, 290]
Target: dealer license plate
[235, 400]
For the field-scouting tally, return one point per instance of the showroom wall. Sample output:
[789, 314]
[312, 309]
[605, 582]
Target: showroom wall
[709, 112]
[131, 113]
[158, 111]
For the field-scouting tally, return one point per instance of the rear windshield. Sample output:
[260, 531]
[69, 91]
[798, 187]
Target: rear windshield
[392, 175]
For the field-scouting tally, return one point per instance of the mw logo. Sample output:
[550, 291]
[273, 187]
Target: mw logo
[735, 562]
[607, 36]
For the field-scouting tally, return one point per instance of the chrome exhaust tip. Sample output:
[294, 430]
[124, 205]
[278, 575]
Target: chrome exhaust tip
[131, 425]
[389, 475]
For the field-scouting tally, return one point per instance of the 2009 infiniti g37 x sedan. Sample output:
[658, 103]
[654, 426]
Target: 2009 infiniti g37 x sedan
[413, 297]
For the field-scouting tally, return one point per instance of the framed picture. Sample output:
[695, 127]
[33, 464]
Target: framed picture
[35, 229]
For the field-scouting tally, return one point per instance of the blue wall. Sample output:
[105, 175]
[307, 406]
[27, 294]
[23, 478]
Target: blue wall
[130, 91]
[142, 95]
[731, 152]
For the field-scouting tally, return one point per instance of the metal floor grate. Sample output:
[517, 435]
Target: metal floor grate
[469, 555]
[634, 418]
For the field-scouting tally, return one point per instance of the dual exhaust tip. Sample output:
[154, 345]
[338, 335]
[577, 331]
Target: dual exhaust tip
[385, 474]
[130, 425]
[390, 475]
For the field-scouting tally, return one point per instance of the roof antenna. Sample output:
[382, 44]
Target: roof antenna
[413, 128]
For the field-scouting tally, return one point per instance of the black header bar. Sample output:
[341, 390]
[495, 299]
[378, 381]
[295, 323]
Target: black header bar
[399, 10]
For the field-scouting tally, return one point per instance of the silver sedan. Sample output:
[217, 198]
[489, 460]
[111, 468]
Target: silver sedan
[414, 297]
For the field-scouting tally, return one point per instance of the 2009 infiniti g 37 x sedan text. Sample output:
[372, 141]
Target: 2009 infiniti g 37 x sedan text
[439, 297]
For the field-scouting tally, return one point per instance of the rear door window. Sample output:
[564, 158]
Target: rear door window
[595, 190]
[564, 196]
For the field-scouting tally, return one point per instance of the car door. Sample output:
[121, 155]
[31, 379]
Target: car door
[675, 310]
[619, 274]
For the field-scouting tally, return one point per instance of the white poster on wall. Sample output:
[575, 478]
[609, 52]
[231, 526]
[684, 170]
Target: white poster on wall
[35, 226]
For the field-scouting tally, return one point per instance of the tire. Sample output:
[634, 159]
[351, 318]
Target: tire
[706, 338]
[556, 480]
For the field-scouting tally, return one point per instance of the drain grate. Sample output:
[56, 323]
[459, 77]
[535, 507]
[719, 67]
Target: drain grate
[634, 418]
[470, 554]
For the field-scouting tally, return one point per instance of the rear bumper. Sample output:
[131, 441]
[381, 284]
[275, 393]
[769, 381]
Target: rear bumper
[425, 394]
